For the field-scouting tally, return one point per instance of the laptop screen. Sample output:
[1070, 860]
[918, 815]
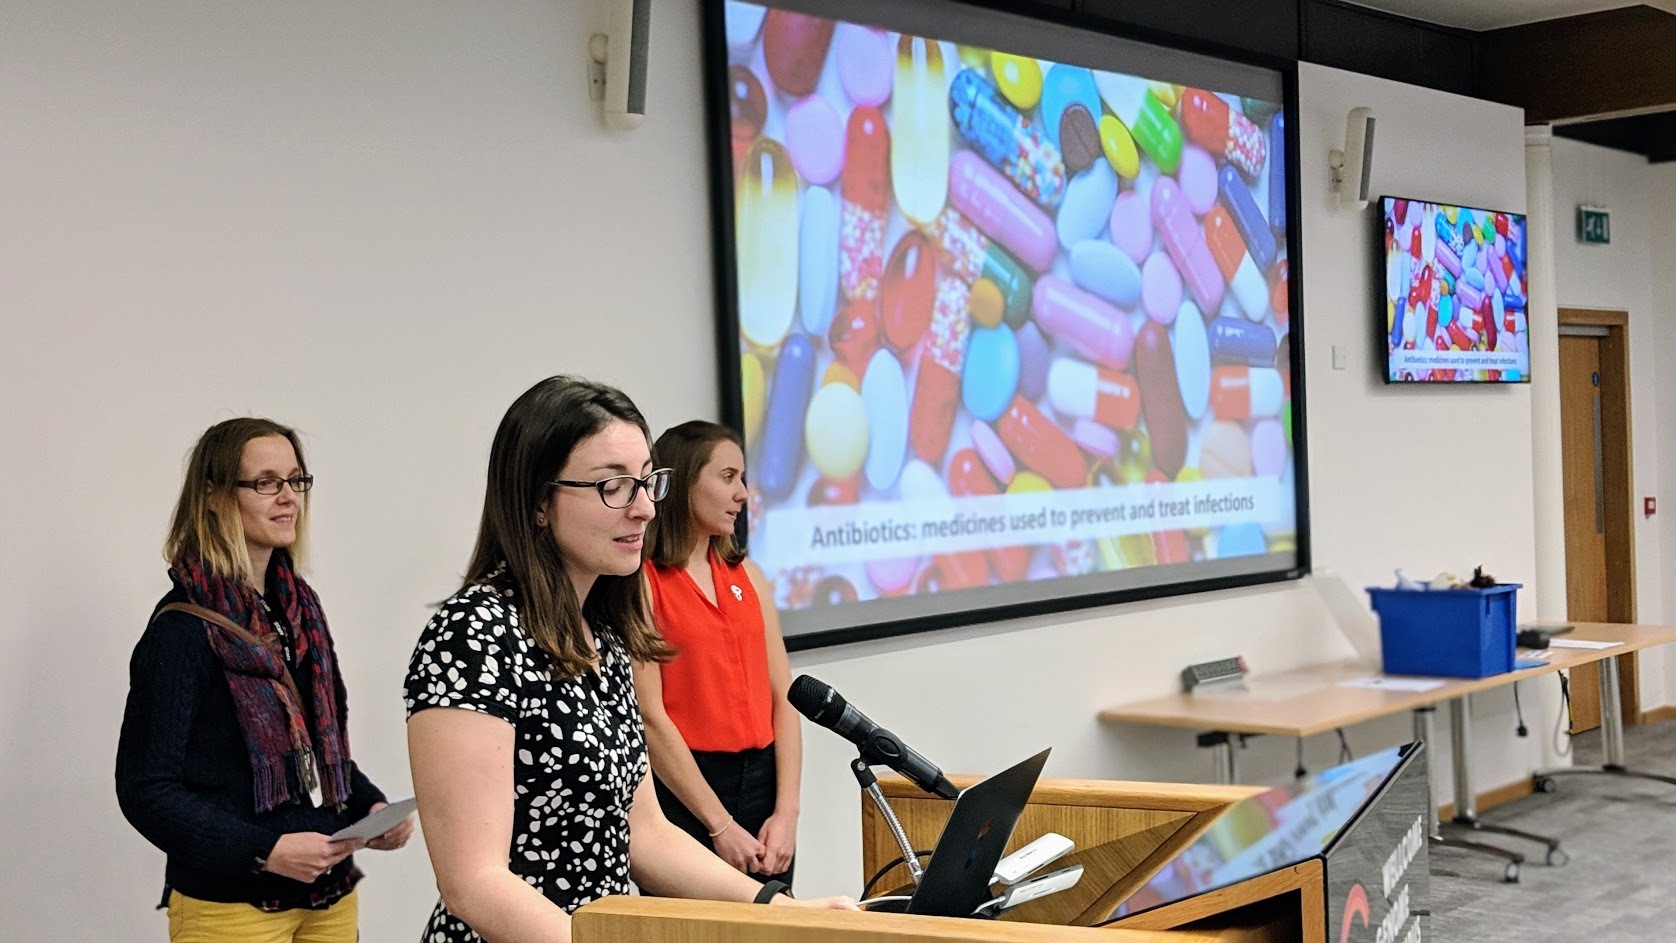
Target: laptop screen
[956, 882]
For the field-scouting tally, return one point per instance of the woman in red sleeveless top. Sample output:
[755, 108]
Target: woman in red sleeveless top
[726, 746]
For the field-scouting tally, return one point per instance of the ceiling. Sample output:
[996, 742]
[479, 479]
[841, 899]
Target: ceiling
[1495, 14]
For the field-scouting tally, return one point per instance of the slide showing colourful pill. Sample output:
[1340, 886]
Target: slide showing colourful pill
[1094, 328]
[865, 187]
[1245, 392]
[1005, 138]
[1147, 119]
[794, 47]
[919, 159]
[1002, 213]
[817, 260]
[1223, 131]
[781, 455]
[766, 211]
[1185, 243]
[1081, 390]
[937, 389]
[1041, 446]
[1166, 414]
[1259, 238]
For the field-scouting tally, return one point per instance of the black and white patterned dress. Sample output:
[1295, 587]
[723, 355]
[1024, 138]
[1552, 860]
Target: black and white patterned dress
[580, 745]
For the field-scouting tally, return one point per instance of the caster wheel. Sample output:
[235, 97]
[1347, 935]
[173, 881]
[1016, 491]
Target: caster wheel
[1557, 858]
[1546, 784]
[1512, 874]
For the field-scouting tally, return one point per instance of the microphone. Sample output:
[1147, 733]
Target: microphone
[817, 701]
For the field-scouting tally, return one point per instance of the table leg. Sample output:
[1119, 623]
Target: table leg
[1611, 738]
[1425, 731]
[1466, 797]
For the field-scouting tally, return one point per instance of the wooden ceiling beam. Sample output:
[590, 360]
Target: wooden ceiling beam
[1614, 62]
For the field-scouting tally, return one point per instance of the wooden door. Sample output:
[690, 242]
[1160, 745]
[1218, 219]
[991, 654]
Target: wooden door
[1585, 508]
[1600, 506]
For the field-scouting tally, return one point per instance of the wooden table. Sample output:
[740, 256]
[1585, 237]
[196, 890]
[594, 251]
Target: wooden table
[1311, 700]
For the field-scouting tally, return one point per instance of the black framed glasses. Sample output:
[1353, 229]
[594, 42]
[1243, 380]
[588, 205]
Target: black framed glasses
[271, 485]
[619, 491]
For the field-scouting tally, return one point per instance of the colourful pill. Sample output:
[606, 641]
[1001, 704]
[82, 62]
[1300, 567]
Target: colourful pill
[1258, 108]
[833, 590]
[817, 260]
[1470, 295]
[994, 453]
[782, 429]
[986, 304]
[747, 107]
[1277, 173]
[892, 577]
[1185, 243]
[989, 376]
[1079, 139]
[837, 372]
[768, 236]
[1094, 328]
[1133, 461]
[908, 291]
[815, 139]
[794, 46]
[1131, 225]
[1147, 119]
[1119, 147]
[1166, 415]
[742, 24]
[1064, 86]
[1228, 248]
[1192, 350]
[835, 431]
[1160, 288]
[1040, 446]
[1088, 204]
[1449, 260]
[971, 255]
[865, 66]
[1236, 340]
[1280, 292]
[996, 207]
[1083, 391]
[1094, 438]
[1198, 180]
[753, 393]
[937, 389]
[920, 118]
[884, 391]
[827, 492]
[1009, 141]
[1224, 452]
[1244, 392]
[1259, 238]
[865, 190]
[1018, 77]
[949, 572]
[854, 335]
[1223, 131]
[1033, 362]
[1102, 268]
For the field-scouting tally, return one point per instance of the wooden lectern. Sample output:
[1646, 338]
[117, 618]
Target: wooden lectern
[1124, 832]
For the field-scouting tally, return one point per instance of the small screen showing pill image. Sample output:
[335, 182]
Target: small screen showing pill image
[1455, 290]
[1012, 311]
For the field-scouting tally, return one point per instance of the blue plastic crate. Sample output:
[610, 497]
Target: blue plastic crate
[1455, 633]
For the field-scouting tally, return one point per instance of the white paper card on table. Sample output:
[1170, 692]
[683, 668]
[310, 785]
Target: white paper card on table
[379, 822]
[1416, 685]
[1581, 643]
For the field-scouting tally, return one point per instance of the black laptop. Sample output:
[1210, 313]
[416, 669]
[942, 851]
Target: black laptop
[956, 882]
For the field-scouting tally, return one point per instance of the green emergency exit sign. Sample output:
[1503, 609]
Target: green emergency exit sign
[1594, 225]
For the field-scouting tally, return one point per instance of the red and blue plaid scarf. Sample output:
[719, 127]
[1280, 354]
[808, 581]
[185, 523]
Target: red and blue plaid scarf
[285, 755]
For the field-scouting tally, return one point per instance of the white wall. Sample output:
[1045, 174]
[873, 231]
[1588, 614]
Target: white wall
[380, 221]
[1619, 276]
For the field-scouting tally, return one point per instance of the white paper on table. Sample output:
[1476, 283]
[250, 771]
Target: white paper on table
[1581, 643]
[379, 822]
[1415, 685]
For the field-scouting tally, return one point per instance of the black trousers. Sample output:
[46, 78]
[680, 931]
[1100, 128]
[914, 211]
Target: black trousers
[745, 782]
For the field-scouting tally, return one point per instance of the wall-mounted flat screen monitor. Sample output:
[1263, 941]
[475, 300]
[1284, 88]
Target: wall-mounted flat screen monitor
[1007, 314]
[1455, 293]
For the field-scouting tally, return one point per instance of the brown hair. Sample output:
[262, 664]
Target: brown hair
[206, 521]
[687, 448]
[536, 436]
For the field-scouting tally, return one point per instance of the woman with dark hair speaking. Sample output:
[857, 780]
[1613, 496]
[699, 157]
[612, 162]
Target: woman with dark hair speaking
[726, 745]
[234, 753]
[528, 751]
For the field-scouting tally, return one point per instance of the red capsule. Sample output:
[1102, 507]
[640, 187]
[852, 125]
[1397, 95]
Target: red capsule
[1166, 414]
[1280, 295]
[794, 46]
[949, 571]
[1414, 244]
[865, 191]
[908, 291]
[827, 491]
[1501, 223]
[1401, 210]
[1226, 244]
[1224, 132]
[855, 334]
[968, 476]
[1487, 321]
[1043, 447]
[930, 419]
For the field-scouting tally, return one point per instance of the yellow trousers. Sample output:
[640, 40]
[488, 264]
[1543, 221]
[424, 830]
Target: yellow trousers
[201, 921]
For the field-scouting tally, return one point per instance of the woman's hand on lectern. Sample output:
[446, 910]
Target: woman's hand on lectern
[816, 903]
